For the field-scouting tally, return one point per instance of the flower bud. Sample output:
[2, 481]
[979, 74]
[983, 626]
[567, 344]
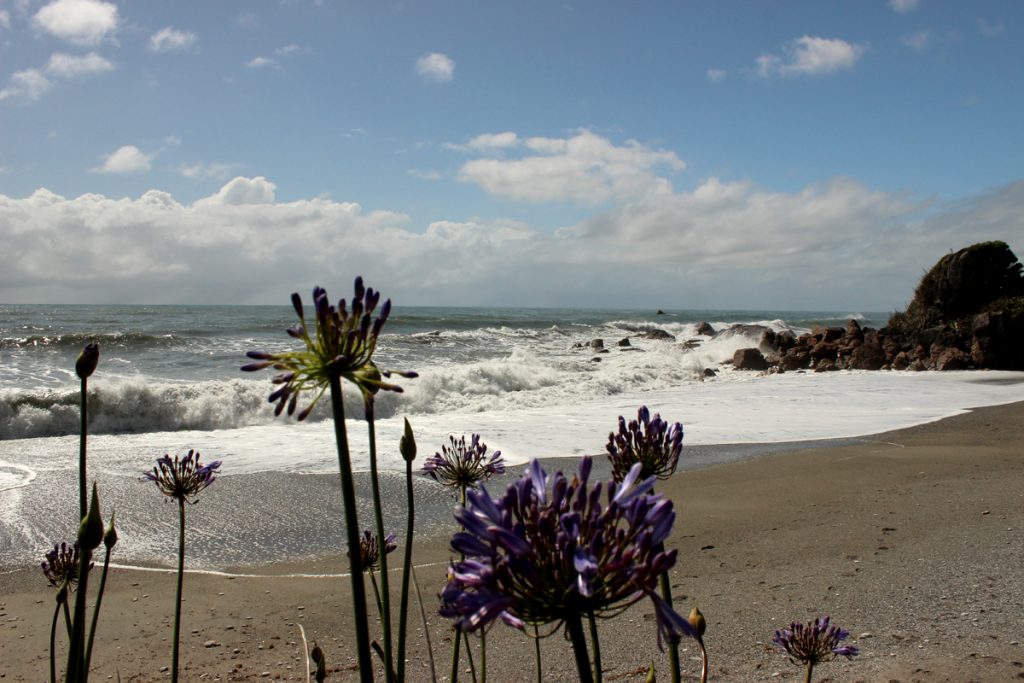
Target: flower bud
[651, 677]
[697, 622]
[87, 360]
[110, 538]
[407, 444]
[90, 533]
[317, 655]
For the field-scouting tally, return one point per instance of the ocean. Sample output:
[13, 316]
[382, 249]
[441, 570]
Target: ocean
[527, 380]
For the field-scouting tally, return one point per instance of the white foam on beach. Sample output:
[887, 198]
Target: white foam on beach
[738, 408]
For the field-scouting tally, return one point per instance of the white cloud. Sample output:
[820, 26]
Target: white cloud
[918, 40]
[213, 171]
[810, 55]
[168, 39]
[424, 175]
[5, 19]
[436, 67]
[28, 86]
[725, 244]
[289, 50]
[81, 22]
[903, 6]
[716, 75]
[494, 141]
[127, 159]
[262, 63]
[72, 66]
[990, 30]
[585, 169]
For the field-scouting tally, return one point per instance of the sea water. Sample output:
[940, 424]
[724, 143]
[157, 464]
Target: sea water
[529, 381]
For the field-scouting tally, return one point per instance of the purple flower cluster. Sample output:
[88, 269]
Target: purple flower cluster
[814, 642]
[182, 478]
[652, 442]
[539, 557]
[369, 550]
[61, 565]
[461, 465]
[340, 345]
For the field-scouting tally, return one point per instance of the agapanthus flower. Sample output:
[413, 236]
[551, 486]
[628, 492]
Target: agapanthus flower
[542, 557]
[369, 550]
[61, 565]
[87, 360]
[814, 642]
[651, 442]
[461, 465]
[183, 478]
[341, 344]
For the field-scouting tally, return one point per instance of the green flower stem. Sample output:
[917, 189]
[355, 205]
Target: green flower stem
[96, 609]
[84, 413]
[574, 625]
[67, 617]
[483, 656]
[810, 669]
[458, 632]
[53, 644]
[376, 591]
[596, 644]
[469, 656]
[348, 494]
[403, 609]
[703, 661]
[76, 648]
[536, 652]
[426, 630]
[177, 599]
[385, 609]
[673, 647]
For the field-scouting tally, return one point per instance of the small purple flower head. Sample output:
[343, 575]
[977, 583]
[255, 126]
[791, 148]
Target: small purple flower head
[814, 642]
[652, 442]
[183, 478]
[369, 550]
[87, 360]
[461, 465]
[536, 556]
[61, 566]
[341, 344]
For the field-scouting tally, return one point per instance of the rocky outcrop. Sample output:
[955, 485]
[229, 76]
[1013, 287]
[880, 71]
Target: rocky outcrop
[749, 359]
[967, 312]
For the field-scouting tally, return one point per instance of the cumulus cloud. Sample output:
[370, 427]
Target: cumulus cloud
[81, 22]
[436, 67]
[73, 66]
[810, 55]
[127, 159]
[716, 75]
[28, 85]
[585, 169]
[262, 63]
[168, 39]
[903, 6]
[724, 244]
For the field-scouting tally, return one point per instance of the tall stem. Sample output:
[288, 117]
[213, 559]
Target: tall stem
[385, 612]
[596, 644]
[810, 668]
[666, 594]
[348, 494]
[84, 413]
[536, 652]
[703, 661]
[574, 625]
[403, 609]
[458, 632]
[483, 656]
[53, 644]
[76, 648]
[177, 598]
[96, 609]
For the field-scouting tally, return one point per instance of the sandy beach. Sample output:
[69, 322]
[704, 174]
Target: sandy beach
[911, 540]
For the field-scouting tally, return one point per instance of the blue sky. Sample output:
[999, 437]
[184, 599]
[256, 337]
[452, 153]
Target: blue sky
[652, 154]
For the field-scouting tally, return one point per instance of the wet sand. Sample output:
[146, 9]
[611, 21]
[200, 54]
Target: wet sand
[912, 540]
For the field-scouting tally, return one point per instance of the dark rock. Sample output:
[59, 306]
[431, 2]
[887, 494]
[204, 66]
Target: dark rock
[710, 372]
[624, 342]
[828, 334]
[749, 359]
[692, 343]
[824, 350]
[785, 340]
[867, 357]
[602, 350]
[660, 312]
[917, 365]
[796, 359]
[853, 329]
[706, 329]
[825, 365]
[658, 335]
[951, 359]
[901, 361]
[597, 343]
[768, 341]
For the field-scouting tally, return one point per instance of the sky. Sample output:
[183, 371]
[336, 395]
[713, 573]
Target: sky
[790, 155]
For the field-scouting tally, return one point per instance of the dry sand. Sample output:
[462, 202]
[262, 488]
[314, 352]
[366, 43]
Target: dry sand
[912, 540]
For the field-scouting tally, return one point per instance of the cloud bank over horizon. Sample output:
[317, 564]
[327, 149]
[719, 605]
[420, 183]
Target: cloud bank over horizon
[830, 246]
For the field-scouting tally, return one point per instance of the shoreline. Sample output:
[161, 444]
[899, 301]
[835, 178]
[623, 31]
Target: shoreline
[910, 539]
